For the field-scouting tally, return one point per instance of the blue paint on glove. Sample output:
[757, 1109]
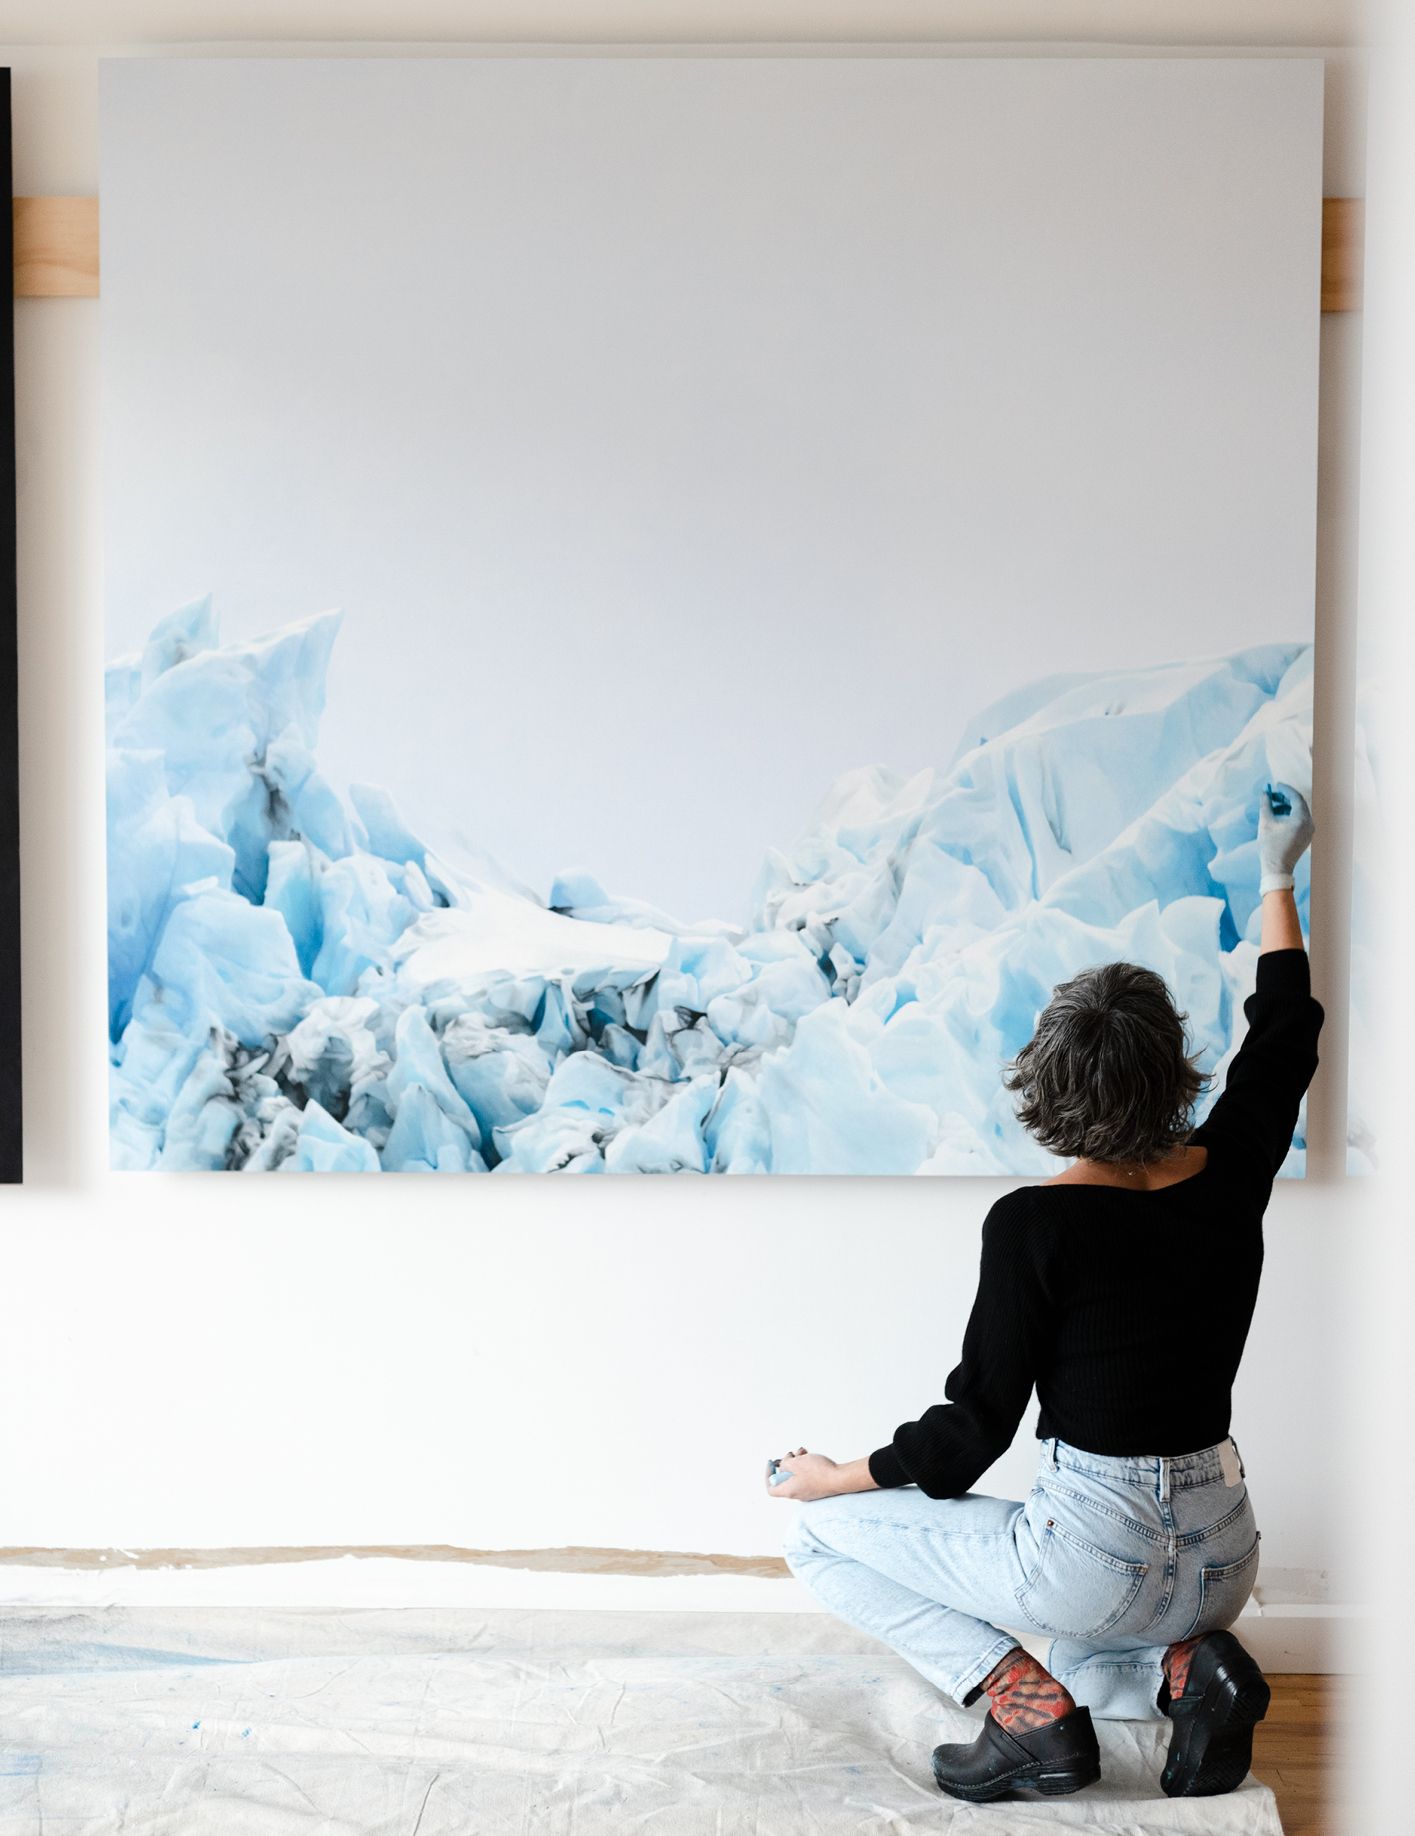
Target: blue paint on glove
[1284, 834]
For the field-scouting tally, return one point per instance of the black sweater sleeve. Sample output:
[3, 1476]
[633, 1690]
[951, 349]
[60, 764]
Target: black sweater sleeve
[953, 1443]
[1257, 1111]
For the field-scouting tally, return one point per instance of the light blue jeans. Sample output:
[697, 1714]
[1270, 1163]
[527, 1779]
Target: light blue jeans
[1114, 1556]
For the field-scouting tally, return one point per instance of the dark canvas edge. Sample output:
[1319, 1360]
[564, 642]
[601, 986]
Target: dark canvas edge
[11, 1086]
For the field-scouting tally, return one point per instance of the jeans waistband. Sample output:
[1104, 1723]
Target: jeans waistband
[1173, 1472]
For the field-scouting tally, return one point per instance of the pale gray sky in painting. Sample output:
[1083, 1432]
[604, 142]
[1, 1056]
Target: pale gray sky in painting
[678, 433]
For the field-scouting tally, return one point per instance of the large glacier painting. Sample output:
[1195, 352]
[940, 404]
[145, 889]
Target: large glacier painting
[656, 606]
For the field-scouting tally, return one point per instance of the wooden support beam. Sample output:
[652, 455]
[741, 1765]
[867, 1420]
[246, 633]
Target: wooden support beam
[56, 250]
[1343, 246]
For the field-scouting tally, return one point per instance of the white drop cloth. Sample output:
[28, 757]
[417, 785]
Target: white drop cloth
[233, 1721]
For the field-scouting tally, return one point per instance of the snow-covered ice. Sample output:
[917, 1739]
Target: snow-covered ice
[298, 983]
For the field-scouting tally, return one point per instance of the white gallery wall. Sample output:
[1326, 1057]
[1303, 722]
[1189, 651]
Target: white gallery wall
[521, 1363]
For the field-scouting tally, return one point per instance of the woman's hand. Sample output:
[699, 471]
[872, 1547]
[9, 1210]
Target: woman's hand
[814, 1476]
[1284, 832]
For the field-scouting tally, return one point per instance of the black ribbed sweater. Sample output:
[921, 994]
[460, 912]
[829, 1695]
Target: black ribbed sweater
[1128, 1310]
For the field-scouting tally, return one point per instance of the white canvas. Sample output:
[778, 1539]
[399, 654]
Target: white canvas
[714, 464]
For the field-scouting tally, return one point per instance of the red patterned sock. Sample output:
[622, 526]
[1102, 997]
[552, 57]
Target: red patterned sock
[1176, 1664]
[1024, 1695]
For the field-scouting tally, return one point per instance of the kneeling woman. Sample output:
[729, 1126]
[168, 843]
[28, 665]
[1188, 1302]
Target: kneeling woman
[1123, 1290]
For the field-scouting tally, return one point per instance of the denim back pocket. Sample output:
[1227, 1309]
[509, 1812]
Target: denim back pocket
[1074, 1588]
[1224, 1589]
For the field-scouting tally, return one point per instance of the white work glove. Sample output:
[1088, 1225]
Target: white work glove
[1283, 835]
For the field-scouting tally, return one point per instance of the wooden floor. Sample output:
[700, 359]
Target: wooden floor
[1296, 1749]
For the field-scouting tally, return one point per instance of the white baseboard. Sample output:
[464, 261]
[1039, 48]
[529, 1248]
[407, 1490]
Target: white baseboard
[1323, 1640]
[1283, 1637]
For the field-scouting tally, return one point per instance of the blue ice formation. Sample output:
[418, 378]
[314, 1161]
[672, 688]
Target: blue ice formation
[297, 983]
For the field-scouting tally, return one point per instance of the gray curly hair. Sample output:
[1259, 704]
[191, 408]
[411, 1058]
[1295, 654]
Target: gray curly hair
[1107, 1075]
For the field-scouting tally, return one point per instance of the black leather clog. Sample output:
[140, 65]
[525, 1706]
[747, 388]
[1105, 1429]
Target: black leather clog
[1051, 1761]
[1225, 1697]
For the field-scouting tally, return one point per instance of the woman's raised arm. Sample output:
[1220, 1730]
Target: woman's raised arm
[1257, 1111]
